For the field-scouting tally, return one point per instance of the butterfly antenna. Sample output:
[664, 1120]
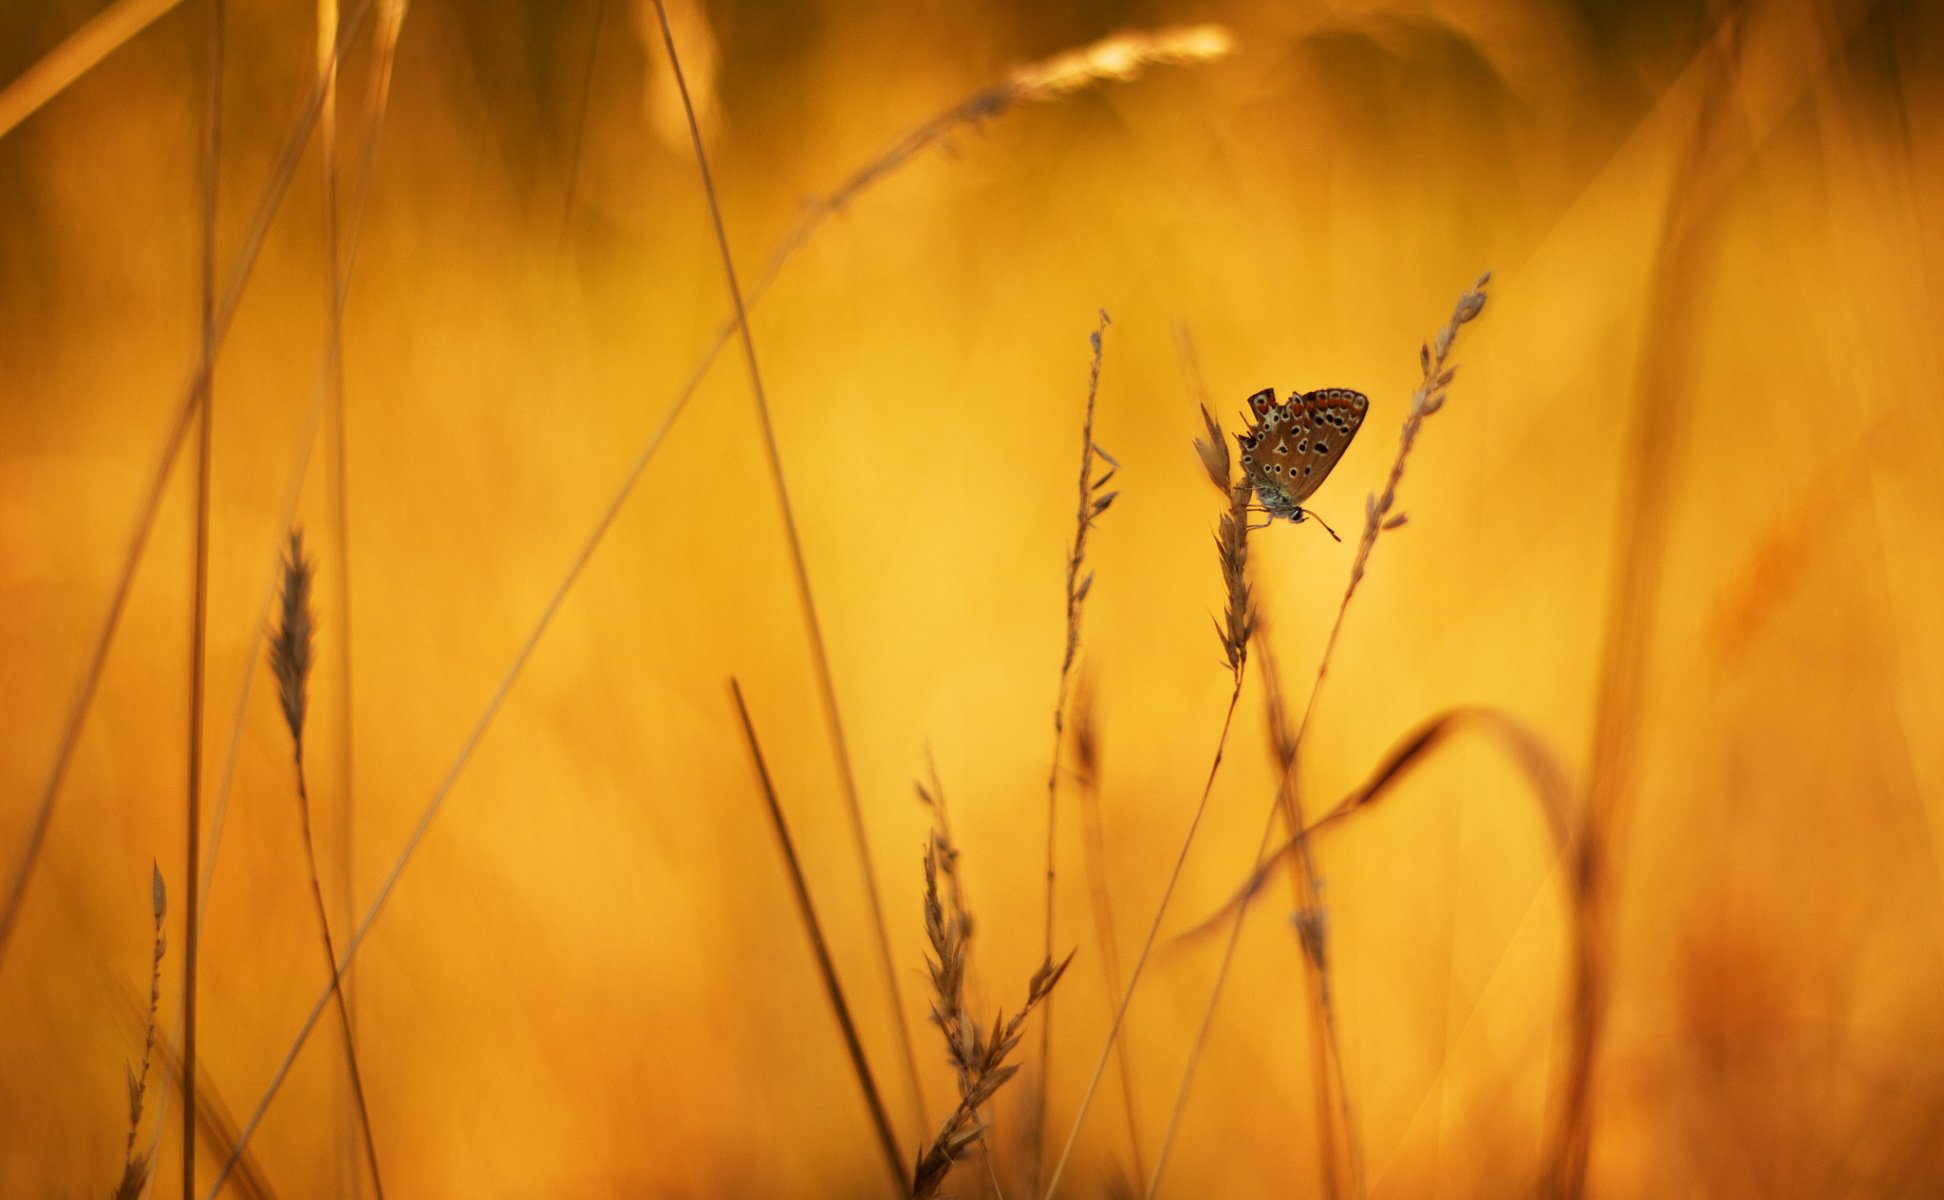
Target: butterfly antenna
[1311, 513]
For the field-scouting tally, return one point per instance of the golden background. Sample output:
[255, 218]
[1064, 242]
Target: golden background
[1709, 371]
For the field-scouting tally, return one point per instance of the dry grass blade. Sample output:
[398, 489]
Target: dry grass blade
[866, 1083]
[136, 1163]
[1093, 501]
[1232, 549]
[186, 411]
[1379, 519]
[1086, 754]
[104, 33]
[290, 661]
[199, 610]
[800, 571]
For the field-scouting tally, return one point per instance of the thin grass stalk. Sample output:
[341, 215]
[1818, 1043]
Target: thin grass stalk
[212, 149]
[1093, 501]
[291, 656]
[189, 405]
[1232, 553]
[834, 990]
[1645, 516]
[1327, 1083]
[1378, 519]
[879, 168]
[800, 571]
[103, 34]
[136, 1164]
[1086, 751]
[327, 19]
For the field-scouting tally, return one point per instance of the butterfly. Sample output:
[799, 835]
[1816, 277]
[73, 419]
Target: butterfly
[1290, 447]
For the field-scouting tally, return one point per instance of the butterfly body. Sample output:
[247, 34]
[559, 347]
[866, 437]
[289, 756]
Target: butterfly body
[1290, 448]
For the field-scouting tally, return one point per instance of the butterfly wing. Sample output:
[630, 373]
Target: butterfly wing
[1301, 448]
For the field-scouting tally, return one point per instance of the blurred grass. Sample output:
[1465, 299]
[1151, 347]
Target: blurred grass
[576, 988]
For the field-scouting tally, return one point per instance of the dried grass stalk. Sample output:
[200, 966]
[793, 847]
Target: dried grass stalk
[212, 148]
[826, 969]
[978, 1056]
[1094, 500]
[101, 36]
[1330, 1088]
[948, 928]
[1086, 754]
[291, 657]
[136, 1164]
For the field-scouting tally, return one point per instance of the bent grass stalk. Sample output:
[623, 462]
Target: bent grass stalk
[1232, 551]
[1378, 519]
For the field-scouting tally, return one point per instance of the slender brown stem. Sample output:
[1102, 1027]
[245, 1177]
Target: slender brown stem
[327, 16]
[106, 31]
[832, 988]
[820, 657]
[1089, 507]
[1086, 749]
[338, 981]
[1306, 887]
[199, 628]
[1147, 946]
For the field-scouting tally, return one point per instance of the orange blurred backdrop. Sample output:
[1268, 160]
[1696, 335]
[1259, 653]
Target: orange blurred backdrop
[1708, 372]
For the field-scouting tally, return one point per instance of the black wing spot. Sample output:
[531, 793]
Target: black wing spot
[1322, 447]
[1306, 470]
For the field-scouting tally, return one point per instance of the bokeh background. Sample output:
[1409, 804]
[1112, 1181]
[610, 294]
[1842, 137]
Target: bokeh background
[1707, 380]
